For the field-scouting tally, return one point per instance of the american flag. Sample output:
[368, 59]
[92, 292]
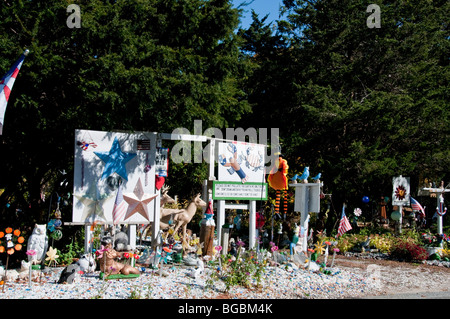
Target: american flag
[6, 84]
[119, 206]
[344, 224]
[415, 205]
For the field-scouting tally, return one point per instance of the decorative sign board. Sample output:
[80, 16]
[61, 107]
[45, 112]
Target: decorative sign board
[401, 191]
[241, 162]
[106, 162]
[239, 191]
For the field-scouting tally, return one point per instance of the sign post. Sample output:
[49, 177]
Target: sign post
[400, 196]
[307, 200]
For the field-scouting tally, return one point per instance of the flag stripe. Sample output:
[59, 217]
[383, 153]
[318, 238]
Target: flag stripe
[415, 205]
[119, 206]
[6, 84]
[344, 224]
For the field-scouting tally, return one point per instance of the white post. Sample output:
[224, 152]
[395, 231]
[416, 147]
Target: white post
[400, 209]
[252, 225]
[220, 218]
[87, 239]
[132, 235]
[440, 207]
[156, 216]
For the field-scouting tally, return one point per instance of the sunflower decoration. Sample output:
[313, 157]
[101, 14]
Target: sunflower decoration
[400, 192]
[319, 248]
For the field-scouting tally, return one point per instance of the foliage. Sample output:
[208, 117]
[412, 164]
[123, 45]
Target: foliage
[132, 66]
[241, 270]
[406, 249]
[357, 104]
[382, 242]
[72, 250]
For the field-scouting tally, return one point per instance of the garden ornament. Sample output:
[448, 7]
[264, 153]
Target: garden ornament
[182, 218]
[109, 265]
[38, 242]
[68, 275]
[278, 181]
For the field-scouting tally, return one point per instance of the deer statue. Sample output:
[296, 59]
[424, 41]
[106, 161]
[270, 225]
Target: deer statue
[182, 217]
[165, 198]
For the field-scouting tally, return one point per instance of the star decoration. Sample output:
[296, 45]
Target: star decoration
[138, 201]
[93, 203]
[115, 160]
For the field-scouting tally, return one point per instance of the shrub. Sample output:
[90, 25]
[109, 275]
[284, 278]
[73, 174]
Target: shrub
[382, 242]
[407, 250]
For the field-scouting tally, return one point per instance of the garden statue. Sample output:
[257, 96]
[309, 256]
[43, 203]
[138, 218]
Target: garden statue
[182, 218]
[87, 263]
[108, 264]
[38, 242]
[69, 274]
[277, 180]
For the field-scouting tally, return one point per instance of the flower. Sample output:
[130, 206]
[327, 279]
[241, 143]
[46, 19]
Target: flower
[126, 255]
[218, 248]
[274, 248]
[136, 256]
[167, 250]
[31, 252]
[319, 248]
[52, 255]
[240, 243]
[336, 250]
[357, 212]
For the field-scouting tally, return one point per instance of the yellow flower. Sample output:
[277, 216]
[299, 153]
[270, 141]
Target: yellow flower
[52, 255]
[319, 248]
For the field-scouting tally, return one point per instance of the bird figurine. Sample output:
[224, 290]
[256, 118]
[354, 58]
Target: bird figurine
[317, 178]
[294, 178]
[305, 175]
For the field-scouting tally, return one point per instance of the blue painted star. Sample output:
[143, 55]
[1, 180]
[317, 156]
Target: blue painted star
[115, 160]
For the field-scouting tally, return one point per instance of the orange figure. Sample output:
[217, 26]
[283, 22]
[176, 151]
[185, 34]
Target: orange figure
[278, 180]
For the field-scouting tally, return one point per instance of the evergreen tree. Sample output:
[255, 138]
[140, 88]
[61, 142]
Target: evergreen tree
[358, 104]
[140, 65]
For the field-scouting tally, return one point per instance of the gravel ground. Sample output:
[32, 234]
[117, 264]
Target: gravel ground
[351, 278]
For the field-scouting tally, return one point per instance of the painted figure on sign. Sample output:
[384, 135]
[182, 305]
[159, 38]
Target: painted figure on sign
[233, 163]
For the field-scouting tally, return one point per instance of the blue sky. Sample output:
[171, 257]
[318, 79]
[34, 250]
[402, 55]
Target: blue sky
[261, 7]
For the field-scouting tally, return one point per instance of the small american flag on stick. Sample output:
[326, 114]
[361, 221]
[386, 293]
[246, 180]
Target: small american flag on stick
[119, 206]
[344, 224]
